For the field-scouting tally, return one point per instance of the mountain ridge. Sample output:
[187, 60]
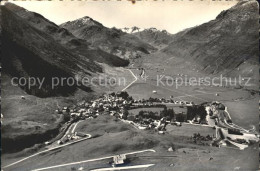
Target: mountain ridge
[67, 39]
[223, 44]
[36, 49]
[158, 38]
[111, 40]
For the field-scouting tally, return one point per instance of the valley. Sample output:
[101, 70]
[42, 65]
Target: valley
[155, 65]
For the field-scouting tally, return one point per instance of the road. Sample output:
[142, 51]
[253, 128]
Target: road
[124, 168]
[135, 79]
[73, 129]
[66, 133]
[75, 126]
[45, 151]
[178, 97]
[91, 160]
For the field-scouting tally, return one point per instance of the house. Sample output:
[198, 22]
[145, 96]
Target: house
[87, 104]
[189, 103]
[106, 105]
[75, 114]
[63, 140]
[112, 113]
[94, 104]
[119, 159]
[58, 111]
[81, 110]
[80, 134]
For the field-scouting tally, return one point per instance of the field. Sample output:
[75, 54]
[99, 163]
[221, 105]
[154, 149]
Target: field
[136, 111]
[121, 76]
[176, 109]
[244, 113]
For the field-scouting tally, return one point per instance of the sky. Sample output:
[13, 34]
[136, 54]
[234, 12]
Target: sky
[170, 15]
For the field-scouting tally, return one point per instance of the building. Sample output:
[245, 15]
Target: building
[80, 134]
[119, 159]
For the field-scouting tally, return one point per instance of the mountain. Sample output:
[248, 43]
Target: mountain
[65, 38]
[44, 50]
[34, 47]
[154, 36]
[228, 44]
[131, 30]
[30, 52]
[111, 40]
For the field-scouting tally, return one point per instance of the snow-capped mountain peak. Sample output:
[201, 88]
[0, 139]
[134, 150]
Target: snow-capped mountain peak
[153, 29]
[84, 21]
[133, 29]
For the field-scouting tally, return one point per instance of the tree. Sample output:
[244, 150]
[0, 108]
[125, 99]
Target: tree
[150, 114]
[180, 117]
[141, 113]
[191, 112]
[163, 113]
[125, 114]
[66, 117]
[170, 114]
[130, 98]
[140, 118]
[123, 94]
[202, 112]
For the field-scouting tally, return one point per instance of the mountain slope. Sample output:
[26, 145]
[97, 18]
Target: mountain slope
[65, 38]
[113, 41]
[224, 45]
[29, 52]
[38, 55]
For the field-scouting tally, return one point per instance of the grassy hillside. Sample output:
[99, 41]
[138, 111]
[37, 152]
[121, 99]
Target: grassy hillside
[224, 44]
[31, 120]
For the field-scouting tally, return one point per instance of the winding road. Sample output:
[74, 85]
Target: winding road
[135, 79]
[50, 149]
[91, 160]
[179, 97]
[73, 130]
[124, 168]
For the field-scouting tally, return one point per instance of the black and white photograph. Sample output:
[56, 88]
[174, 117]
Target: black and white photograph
[137, 85]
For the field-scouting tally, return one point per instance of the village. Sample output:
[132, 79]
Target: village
[120, 106]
